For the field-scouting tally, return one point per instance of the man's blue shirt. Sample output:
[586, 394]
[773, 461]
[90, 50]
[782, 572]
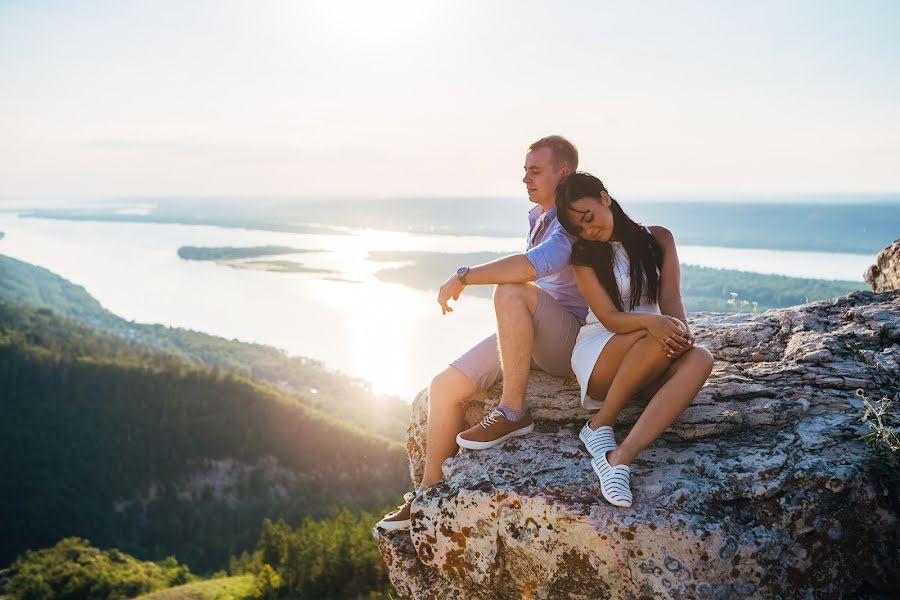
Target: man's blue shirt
[549, 250]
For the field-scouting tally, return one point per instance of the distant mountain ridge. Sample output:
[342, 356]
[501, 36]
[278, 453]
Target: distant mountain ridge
[862, 226]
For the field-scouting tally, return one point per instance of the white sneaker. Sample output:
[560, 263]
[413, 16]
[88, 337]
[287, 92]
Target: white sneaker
[597, 441]
[615, 481]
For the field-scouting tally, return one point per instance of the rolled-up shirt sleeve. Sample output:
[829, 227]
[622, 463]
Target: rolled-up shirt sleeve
[552, 255]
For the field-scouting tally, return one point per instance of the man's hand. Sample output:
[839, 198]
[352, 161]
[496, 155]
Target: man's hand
[451, 288]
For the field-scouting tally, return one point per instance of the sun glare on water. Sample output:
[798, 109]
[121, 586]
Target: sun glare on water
[381, 319]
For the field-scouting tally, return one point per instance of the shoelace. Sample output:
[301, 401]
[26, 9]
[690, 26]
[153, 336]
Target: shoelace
[491, 418]
[408, 497]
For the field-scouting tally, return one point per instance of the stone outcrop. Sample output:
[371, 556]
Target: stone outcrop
[884, 275]
[761, 489]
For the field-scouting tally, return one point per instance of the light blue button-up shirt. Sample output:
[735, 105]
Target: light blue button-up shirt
[549, 250]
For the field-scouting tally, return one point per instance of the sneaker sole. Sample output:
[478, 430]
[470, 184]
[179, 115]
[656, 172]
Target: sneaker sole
[472, 445]
[394, 525]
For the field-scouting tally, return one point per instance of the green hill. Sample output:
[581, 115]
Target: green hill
[134, 448]
[73, 569]
[306, 380]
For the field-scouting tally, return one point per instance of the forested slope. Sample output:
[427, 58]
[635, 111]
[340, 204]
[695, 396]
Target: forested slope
[135, 448]
[349, 399]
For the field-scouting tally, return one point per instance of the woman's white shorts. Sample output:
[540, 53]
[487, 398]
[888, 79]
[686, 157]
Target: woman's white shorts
[588, 346]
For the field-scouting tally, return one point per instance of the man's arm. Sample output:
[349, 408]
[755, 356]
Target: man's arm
[515, 268]
[549, 257]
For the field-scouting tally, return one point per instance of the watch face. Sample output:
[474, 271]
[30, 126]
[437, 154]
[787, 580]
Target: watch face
[461, 272]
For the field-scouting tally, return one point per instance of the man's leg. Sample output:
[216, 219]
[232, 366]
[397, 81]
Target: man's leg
[446, 394]
[555, 332]
[532, 326]
[515, 305]
[475, 371]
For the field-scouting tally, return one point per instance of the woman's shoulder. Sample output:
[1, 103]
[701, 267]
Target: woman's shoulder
[661, 234]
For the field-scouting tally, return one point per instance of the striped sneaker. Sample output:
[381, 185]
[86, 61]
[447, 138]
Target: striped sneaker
[615, 481]
[597, 441]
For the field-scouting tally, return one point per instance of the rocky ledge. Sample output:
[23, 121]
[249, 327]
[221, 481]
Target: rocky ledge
[884, 275]
[761, 489]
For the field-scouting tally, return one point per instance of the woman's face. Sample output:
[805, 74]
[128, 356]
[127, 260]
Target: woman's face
[593, 217]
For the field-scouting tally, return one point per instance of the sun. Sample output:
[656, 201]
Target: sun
[359, 21]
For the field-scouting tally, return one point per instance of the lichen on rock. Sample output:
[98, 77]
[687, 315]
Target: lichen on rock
[761, 488]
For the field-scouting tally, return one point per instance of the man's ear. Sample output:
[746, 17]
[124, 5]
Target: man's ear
[565, 171]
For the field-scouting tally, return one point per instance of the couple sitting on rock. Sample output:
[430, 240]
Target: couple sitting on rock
[594, 293]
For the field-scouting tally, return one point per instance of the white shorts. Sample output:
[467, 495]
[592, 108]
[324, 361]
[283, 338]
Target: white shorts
[590, 342]
[588, 346]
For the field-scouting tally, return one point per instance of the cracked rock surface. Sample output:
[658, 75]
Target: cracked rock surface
[760, 489]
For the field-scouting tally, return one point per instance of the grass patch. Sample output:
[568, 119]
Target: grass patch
[225, 588]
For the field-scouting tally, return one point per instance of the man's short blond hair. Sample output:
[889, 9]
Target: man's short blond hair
[563, 153]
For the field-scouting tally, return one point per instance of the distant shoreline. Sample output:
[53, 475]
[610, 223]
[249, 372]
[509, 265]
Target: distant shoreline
[703, 288]
[862, 229]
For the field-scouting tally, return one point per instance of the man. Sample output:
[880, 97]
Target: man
[539, 313]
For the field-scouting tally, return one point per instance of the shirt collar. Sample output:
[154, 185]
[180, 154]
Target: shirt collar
[537, 211]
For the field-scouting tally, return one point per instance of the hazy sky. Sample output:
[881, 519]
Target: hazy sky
[397, 98]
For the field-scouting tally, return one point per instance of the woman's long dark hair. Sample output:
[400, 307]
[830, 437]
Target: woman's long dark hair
[644, 252]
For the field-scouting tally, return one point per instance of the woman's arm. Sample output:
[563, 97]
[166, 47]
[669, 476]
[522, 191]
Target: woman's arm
[661, 327]
[670, 302]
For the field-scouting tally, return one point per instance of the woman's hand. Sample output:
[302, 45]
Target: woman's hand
[672, 334]
[690, 344]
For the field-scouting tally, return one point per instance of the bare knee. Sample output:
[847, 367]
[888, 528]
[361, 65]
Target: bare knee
[703, 357]
[509, 294]
[698, 359]
[652, 349]
[450, 386]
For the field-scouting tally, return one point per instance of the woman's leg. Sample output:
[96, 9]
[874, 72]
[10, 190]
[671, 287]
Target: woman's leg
[628, 363]
[682, 382]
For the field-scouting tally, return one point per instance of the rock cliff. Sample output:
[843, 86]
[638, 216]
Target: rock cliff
[761, 489]
[884, 275]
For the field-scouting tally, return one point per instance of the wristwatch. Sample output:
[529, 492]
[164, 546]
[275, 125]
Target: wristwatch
[461, 274]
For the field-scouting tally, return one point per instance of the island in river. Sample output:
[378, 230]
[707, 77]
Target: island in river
[232, 253]
[237, 258]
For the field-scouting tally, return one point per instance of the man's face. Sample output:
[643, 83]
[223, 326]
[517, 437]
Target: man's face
[540, 179]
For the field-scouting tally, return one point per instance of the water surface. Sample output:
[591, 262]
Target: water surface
[389, 334]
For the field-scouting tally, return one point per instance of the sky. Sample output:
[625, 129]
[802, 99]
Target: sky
[401, 98]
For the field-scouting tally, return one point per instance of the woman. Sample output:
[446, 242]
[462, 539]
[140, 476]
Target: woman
[636, 338]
